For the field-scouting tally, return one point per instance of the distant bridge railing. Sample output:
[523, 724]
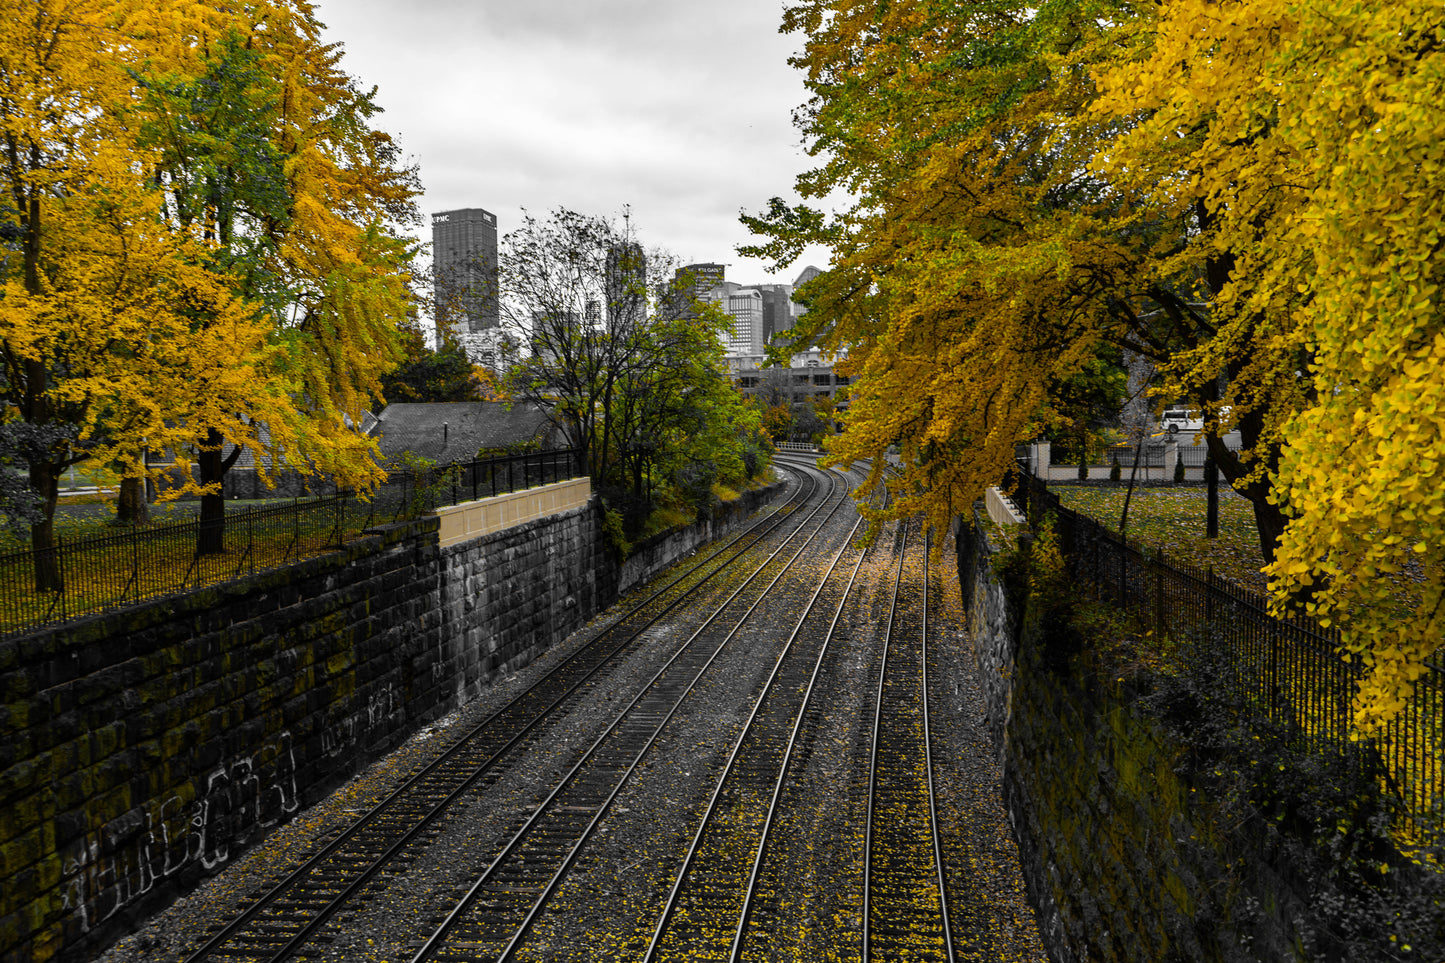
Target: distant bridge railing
[109, 571]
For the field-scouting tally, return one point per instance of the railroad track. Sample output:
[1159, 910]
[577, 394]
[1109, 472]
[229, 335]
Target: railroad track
[294, 914]
[726, 890]
[714, 895]
[493, 917]
[905, 910]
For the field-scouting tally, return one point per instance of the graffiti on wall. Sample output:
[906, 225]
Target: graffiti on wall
[383, 710]
[114, 866]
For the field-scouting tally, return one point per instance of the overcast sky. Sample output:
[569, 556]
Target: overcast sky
[679, 109]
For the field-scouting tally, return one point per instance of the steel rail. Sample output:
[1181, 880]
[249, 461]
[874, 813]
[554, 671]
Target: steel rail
[762, 528]
[438, 938]
[873, 756]
[928, 766]
[868, 951]
[557, 877]
[670, 905]
[750, 889]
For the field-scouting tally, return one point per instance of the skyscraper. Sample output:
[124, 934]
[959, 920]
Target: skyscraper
[777, 309]
[464, 269]
[626, 283]
[702, 278]
[745, 307]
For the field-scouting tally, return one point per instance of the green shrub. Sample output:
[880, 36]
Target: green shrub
[696, 481]
[1322, 812]
[613, 530]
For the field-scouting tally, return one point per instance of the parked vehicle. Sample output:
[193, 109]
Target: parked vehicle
[1181, 419]
[1176, 420]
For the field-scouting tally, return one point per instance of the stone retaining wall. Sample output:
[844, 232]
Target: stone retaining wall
[143, 749]
[1123, 859]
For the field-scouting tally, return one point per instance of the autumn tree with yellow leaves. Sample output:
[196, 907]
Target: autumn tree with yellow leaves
[1247, 193]
[1315, 133]
[208, 257]
[983, 260]
[91, 326]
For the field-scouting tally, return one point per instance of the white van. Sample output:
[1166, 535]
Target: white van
[1176, 420]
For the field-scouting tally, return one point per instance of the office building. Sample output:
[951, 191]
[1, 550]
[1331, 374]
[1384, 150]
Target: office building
[700, 279]
[464, 270]
[626, 280]
[745, 307]
[778, 309]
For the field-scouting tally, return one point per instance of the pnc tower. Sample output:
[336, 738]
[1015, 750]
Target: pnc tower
[464, 269]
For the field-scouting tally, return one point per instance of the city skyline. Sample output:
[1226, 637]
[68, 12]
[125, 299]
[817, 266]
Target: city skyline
[592, 108]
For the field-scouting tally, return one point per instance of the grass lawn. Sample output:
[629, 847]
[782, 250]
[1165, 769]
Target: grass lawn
[94, 515]
[1173, 519]
[158, 559]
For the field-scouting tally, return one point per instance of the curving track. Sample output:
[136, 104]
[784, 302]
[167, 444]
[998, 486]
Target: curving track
[736, 767]
[283, 923]
[497, 910]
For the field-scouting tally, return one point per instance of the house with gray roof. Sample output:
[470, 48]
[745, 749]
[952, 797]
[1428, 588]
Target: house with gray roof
[457, 431]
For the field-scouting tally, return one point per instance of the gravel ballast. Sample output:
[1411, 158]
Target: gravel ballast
[607, 906]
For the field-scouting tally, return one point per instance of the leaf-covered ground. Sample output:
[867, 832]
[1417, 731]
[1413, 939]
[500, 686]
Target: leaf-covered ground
[94, 515]
[1173, 519]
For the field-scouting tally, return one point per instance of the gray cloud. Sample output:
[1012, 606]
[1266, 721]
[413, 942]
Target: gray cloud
[680, 110]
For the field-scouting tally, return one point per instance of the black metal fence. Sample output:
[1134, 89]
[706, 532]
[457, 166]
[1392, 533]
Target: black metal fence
[1192, 455]
[103, 572]
[1151, 455]
[1290, 669]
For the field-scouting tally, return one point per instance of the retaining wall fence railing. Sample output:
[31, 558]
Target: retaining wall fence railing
[1291, 669]
[104, 572]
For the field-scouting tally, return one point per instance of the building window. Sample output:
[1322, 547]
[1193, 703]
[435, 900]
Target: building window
[822, 379]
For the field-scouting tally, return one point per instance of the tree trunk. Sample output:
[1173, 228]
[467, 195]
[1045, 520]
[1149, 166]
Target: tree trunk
[45, 479]
[1268, 518]
[131, 507]
[211, 536]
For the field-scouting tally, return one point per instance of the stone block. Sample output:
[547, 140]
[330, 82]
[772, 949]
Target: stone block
[166, 693]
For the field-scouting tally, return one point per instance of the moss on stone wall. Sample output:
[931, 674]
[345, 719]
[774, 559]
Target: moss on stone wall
[142, 750]
[1133, 850]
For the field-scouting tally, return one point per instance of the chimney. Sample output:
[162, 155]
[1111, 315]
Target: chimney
[446, 430]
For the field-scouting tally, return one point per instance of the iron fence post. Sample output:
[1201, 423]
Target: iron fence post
[1096, 576]
[64, 581]
[1121, 551]
[134, 566]
[1159, 621]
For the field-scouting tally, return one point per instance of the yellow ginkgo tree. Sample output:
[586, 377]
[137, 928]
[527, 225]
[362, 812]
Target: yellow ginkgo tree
[1314, 134]
[982, 264]
[266, 151]
[209, 260]
[97, 339]
[1246, 193]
